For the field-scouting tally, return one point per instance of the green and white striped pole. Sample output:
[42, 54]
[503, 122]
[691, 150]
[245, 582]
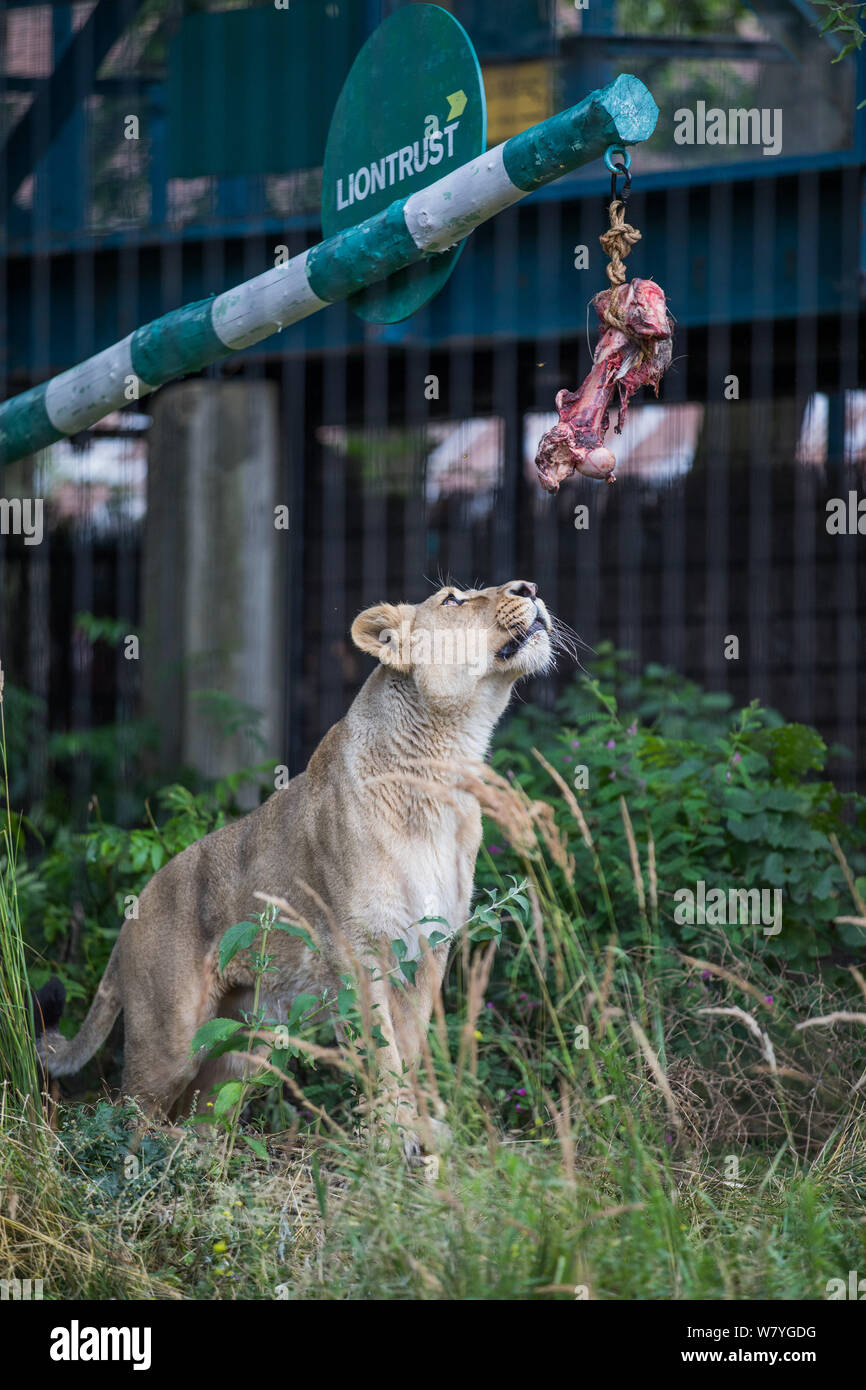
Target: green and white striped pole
[428, 221]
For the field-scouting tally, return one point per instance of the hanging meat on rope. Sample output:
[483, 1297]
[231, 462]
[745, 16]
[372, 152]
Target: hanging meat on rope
[634, 350]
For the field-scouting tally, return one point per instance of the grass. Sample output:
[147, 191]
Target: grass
[505, 1220]
[20, 1071]
[626, 1124]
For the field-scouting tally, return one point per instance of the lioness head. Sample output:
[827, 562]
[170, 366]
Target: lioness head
[458, 638]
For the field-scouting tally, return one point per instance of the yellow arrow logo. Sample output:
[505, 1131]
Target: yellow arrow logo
[456, 104]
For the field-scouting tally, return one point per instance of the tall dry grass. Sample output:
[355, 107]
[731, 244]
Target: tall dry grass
[694, 1126]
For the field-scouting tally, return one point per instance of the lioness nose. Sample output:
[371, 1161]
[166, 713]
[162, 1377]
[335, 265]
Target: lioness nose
[522, 589]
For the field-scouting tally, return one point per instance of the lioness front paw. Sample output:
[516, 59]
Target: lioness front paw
[437, 1135]
[411, 1146]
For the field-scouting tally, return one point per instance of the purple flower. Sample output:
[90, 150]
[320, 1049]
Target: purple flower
[728, 776]
[612, 776]
[521, 1091]
[566, 757]
[575, 743]
[737, 758]
[768, 998]
[706, 974]
[632, 729]
[669, 1138]
[611, 743]
[494, 849]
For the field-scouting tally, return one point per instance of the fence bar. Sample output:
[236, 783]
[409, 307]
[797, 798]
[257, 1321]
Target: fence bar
[428, 221]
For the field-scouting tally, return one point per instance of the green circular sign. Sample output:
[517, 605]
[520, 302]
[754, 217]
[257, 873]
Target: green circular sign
[412, 109]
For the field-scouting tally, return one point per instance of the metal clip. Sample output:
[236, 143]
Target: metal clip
[622, 170]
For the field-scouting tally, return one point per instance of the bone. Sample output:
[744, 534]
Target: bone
[638, 354]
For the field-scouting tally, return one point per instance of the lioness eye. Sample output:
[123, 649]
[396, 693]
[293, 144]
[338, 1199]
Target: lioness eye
[451, 598]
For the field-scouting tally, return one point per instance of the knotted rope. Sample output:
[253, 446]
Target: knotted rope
[616, 243]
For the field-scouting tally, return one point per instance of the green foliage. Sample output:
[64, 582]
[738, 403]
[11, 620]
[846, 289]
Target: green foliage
[844, 20]
[109, 630]
[220, 1035]
[696, 17]
[80, 886]
[738, 800]
[111, 758]
[229, 716]
[17, 1054]
[23, 712]
[102, 1143]
[485, 924]
[569, 995]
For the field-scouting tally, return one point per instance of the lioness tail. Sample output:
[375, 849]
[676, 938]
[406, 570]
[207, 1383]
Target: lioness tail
[62, 1056]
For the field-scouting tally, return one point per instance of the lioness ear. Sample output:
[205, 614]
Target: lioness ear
[384, 631]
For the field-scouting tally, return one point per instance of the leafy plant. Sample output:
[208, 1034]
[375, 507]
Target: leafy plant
[844, 20]
[109, 630]
[75, 891]
[17, 1054]
[639, 1109]
[738, 800]
[219, 1036]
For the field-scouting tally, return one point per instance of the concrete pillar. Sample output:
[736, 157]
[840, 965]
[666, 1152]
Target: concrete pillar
[211, 576]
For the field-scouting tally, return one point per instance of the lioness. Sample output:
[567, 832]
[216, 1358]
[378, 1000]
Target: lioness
[364, 844]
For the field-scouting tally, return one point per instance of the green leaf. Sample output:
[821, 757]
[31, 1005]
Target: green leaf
[825, 886]
[256, 1145]
[774, 869]
[755, 828]
[486, 931]
[321, 1189]
[301, 1005]
[785, 799]
[214, 1031]
[793, 750]
[686, 769]
[238, 938]
[229, 1094]
[852, 935]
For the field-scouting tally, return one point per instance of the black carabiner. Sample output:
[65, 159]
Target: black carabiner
[620, 170]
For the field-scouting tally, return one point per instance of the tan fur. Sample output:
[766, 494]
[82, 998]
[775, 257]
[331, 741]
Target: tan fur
[362, 854]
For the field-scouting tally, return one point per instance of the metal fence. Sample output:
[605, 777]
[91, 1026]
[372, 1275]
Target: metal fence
[716, 527]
